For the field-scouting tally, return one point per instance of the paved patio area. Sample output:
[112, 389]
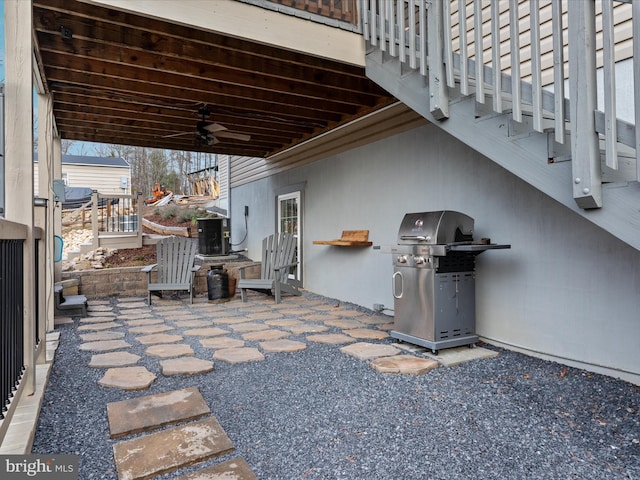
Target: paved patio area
[242, 390]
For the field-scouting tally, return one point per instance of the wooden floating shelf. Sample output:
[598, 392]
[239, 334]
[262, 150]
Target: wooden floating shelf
[349, 238]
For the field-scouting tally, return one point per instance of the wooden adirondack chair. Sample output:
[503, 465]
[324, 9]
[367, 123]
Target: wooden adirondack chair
[278, 259]
[175, 267]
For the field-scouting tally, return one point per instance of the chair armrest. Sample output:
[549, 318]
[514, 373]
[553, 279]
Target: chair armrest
[248, 266]
[195, 268]
[148, 268]
[288, 265]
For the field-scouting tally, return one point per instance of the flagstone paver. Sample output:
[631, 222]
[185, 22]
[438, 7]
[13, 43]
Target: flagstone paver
[249, 327]
[97, 319]
[185, 366]
[143, 322]
[285, 322]
[278, 346]
[191, 323]
[369, 351]
[131, 299]
[98, 302]
[366, 333]
[159, 328]
[221, 342]
[103, 345]
[318, 317]
[375, 319]
[159, 338]
[113, 359]
[234, 469]
[231, 320]
[297, 311]
[206, 332]
[330, 338]
[101, 314]
[169, 350]
[406, 364]
[98, 336]
[262, 335]
[98, 326]
[167, 450]
[239, 355]
[348, 313]
[344, 323]
[307, 328]
[99, 308]
[134, 305]
[127, 378]
[153, 411]
[386, 326]
[264, 315]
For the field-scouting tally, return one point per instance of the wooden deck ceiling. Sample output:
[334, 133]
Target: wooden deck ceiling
[122, 78]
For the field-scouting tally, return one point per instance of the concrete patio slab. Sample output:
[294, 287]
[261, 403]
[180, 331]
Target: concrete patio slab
[404, 364]
[344, 324]
[103, 345]
[234, 469]
[113, 359]
[330, 338]
[264, 335]
[98, 326]
[165, 451]
[153, 411]
[159, 328]
[98, 336]
[159, 338]
[185, 366]
[306, 328]
[206, 332]
[281, 346]
[170, 350]
[239, 355]
[369, 351]
[219, 343]
[127, 378]
[455, 356]
[366, 333]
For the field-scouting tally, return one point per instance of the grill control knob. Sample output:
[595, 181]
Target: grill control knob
[419, 260]
[402, 259]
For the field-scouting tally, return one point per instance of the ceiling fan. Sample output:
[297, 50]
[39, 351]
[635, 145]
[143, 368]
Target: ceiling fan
[210, 133]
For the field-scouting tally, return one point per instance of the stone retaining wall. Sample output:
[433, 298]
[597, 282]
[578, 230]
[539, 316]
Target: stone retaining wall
[130, 281]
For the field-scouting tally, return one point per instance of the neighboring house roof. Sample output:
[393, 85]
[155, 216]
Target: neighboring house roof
[94, 161]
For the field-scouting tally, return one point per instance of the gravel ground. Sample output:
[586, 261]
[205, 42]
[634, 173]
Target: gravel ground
[321, 414]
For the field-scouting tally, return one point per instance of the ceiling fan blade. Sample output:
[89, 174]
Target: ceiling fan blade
[235, 136]
[214, 127]
[177, 135]
[211, 140]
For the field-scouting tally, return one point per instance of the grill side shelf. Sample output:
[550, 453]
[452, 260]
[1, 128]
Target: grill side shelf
[479, 248]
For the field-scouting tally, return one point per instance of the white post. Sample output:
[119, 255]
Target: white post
[19, 155]
[45, 190]
[585, 151]
[57, 211]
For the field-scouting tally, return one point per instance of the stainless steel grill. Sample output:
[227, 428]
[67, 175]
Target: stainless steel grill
[434, 279]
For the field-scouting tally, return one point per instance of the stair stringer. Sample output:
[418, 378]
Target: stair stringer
[524, 155]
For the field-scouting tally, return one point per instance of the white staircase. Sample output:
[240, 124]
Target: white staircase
[519, 125]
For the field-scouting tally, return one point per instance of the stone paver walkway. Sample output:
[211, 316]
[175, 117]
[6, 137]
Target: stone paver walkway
[172, 336]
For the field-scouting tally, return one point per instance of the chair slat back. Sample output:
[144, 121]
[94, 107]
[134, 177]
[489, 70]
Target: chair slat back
[175, 257]
[279, 249]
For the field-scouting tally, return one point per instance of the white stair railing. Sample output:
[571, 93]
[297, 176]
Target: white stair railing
[522, 65]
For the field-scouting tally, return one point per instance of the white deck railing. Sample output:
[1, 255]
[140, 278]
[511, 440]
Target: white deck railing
[534, 54]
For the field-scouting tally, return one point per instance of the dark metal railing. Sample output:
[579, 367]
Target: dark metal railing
[11, 319]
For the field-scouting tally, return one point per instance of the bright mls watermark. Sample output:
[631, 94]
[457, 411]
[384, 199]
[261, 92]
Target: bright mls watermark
[51, 467]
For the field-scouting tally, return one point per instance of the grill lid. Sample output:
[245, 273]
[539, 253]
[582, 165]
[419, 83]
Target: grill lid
[441, 227]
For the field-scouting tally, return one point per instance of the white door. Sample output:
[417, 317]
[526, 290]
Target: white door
[289, 221]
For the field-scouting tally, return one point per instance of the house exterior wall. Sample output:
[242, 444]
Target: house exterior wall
[566, 289]
[105, 179]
